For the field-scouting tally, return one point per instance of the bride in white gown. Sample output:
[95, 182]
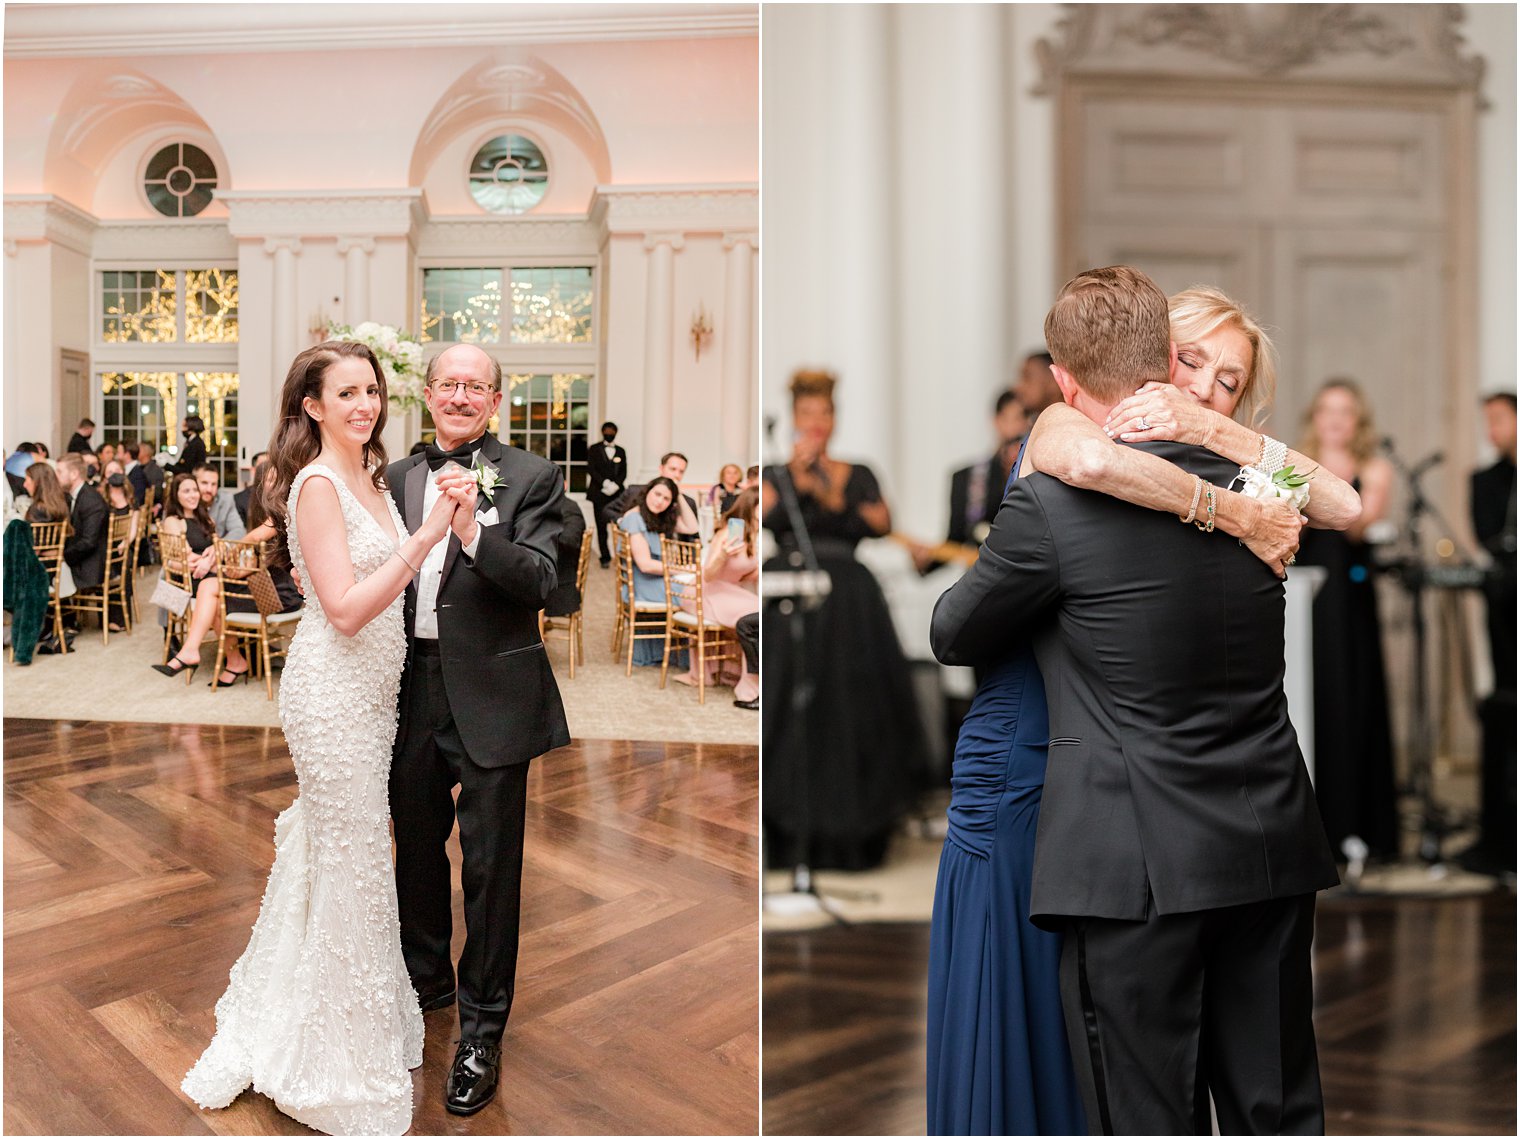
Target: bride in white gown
[319, 1014]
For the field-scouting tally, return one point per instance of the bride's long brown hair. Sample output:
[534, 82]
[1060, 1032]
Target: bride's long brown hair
[298, 440]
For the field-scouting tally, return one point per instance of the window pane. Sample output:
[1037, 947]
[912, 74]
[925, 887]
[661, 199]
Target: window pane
[213, 396]
[461, 305]
[551, 306]
[140, 406]
[211, 306]
[508, 175]
[138, 306]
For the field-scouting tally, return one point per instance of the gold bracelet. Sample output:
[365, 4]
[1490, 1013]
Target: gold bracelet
[1197, 494]
[414, 569]
[1207, 525]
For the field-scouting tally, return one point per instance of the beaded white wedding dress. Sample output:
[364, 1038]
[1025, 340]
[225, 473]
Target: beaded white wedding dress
[319, 1014]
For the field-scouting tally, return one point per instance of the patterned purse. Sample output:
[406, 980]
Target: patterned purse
[170, 597]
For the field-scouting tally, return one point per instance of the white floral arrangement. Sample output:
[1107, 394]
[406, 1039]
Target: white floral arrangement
[399, 353]
[1286, 483]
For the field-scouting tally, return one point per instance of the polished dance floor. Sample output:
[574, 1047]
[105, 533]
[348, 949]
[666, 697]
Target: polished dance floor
[136, 855]
[1415, 1011]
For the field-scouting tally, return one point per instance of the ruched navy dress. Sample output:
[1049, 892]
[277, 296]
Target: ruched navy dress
[998, 1061]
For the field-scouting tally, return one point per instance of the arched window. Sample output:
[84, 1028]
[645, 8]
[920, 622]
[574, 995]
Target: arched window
[509, 175]
[179, 180]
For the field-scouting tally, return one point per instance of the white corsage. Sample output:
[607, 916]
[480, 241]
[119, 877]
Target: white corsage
[1285, 483]
[488, 479]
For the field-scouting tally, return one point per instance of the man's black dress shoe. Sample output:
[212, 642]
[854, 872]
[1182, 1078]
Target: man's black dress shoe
[472, 1079]
[752, 705]
[440, 996]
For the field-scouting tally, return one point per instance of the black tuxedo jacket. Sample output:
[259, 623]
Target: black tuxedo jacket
[1493, 490]
[1174, 781]
[564, 599]
[501, 689]
[85, 548]
[961, 506]
[599, 467]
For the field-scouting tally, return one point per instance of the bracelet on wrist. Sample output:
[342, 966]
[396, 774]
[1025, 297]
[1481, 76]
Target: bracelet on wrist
[1274, 456]
[1207, 525]
[1197, 494]
[406, 563]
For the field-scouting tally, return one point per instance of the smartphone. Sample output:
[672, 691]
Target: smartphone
[735, 531]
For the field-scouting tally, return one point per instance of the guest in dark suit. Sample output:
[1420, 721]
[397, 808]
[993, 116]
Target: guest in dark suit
[566, 599]
[242, 499]
[85, 549]
[478, 702]
[977, 490]
[606, 477]
[1179, 844]
[146, 474]
[193, 453]
[672, 467]
[79, 442]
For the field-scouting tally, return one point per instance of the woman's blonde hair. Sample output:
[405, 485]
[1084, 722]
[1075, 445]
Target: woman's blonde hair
[1197, 311]
[1364, 441]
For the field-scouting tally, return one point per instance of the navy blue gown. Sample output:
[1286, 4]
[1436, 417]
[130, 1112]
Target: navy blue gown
[998, 1061]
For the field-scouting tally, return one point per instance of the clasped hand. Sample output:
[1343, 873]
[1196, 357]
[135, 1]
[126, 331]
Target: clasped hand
[455, 508]
[1159, 411]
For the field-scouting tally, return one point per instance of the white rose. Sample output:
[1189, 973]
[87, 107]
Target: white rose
[366, 331]
[1260, 485]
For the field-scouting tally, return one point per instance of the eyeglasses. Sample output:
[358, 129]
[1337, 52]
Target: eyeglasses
[447, 388]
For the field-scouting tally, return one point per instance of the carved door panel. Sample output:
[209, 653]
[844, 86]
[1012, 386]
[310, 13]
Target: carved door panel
[73, 394]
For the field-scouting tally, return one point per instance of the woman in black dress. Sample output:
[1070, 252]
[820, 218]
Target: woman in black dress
[838, 779]
[1353, 750]
[194, 453]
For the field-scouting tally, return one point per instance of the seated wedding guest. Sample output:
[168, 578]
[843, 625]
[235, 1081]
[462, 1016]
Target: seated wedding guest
[185, 513]
[1036, 386]
[747, 629]
[42, 450]
[105, 456]
[120, 500]
[730, 584]
[147, 473]
[193, 453]
[751, 477]
[242, 498]
[91, 466]
[655, 514]
[276, 561]
[219, 502]
[672, 467]
[49, 501]
[720, 496]
[17, 462]
[565, 599]
[85, 549]
[79, 442]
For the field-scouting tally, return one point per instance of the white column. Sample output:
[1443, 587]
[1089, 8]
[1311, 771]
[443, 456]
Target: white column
[659, 345]
[356, 252]
[283, 301]
[738, 335]
[12, 344]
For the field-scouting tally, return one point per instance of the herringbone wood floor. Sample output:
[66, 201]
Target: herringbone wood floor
[135, 858]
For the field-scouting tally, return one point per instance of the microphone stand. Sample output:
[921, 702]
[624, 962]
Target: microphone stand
[797, 593]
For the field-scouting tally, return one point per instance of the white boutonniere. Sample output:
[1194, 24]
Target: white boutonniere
[487, 479]
[1286, 483]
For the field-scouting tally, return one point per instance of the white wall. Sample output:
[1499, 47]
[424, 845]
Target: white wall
[1491, 30]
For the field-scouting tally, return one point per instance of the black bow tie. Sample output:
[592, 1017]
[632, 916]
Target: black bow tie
[464, 454]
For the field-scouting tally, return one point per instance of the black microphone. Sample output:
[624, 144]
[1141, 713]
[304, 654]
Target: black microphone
[1425, 464]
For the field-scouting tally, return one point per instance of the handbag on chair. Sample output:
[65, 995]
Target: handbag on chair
[170, 597]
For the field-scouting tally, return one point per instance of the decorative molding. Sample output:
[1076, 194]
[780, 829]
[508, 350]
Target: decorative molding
[1406, 44]
[690, 209]
[313, 213]
[190, 239]
[531, 237]
[744, 237]
[367, 244]
[34, 32]
[273, 245]
[676, 241]
[45, 217]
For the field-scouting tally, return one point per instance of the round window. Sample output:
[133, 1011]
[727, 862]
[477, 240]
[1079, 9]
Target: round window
[179, 180]
[509, 175]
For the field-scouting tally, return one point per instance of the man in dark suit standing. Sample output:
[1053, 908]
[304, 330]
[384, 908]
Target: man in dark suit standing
[85, 549]
[606, 475]
[478, 702]
[1179, 846]
[79, 442]
[976, 491]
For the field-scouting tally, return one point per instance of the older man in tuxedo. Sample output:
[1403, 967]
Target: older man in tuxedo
[1179, 845]
[478, 702]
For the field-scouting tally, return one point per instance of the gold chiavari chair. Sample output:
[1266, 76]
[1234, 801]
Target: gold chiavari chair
[174, 562]
[241, 573]
[637, 620]
[47, 540]
[144, 521]
[113, 586]
[571, 624]
[687, 622]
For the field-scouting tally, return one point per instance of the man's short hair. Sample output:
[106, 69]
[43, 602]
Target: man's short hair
[610, 424]
[668, 455]
[432, 366]
[1003, 400]
[199, 467]
[1501, 397]
[27, 449]
[753, 472]
[1109, 328]
[72, 461]
[87, 423]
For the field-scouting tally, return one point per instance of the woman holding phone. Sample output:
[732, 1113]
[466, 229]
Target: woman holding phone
[730, 581]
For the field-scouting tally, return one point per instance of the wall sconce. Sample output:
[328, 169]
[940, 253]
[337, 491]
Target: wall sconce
[701, 329]
[319, 325]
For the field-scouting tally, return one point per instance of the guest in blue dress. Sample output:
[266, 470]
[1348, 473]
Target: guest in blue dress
[655, 516]
[998, 1060]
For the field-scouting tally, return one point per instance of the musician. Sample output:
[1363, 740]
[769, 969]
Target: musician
[1493, 518]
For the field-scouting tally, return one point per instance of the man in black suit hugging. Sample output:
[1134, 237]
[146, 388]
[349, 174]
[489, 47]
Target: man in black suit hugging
[478, 702]
[1179, 846]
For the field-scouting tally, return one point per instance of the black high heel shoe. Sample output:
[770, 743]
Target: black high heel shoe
[236, 676]
[169, 670]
